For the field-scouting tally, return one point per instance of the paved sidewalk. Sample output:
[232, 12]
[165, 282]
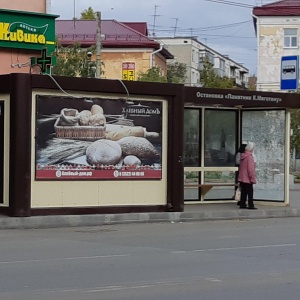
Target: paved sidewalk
[193, 212]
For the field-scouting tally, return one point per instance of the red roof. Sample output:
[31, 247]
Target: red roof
[138, 26]
[278, 8]
[114, 35]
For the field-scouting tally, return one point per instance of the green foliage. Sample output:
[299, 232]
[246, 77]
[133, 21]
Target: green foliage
[295, 126]
[152, 75]
[176, 73]
[73, 61]
[210, 79]
[88, 14]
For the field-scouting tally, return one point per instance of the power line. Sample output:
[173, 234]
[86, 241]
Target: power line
[279, 9]
[231, 3]
[217, 27]
[202, 30]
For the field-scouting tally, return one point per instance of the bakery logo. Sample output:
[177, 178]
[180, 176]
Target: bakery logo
[58, 174]
[141, 110]
[23, 33]
[116, 173]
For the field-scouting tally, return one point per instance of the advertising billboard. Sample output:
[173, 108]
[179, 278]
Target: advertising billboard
[97, 138]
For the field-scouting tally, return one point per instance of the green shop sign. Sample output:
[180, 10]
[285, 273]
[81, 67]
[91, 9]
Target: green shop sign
[25, 30]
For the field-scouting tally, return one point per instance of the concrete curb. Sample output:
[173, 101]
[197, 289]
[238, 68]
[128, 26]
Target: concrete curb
[42, 222]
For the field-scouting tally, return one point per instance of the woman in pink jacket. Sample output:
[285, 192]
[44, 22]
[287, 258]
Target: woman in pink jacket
[247, 176]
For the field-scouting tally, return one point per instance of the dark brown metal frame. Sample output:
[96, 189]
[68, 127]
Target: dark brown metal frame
[21, 86]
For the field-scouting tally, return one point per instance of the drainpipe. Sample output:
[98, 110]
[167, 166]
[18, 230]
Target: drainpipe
[48, 6]
[98, 46]
[151, 57]
[257, 50]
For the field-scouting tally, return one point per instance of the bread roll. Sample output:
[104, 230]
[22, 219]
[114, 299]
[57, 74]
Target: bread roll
[84, 117]
[96, 109]
[97, 120]
[131, 160]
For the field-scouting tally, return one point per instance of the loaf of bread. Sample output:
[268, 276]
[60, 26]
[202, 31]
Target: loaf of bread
[137, 146]
[137, 131]
[103, 152]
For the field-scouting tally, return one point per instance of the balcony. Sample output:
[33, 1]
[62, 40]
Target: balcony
[206, 57]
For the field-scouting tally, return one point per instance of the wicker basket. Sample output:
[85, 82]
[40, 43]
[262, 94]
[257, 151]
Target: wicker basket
[84, 133]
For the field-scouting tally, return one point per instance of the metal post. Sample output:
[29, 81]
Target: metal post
[98, 46]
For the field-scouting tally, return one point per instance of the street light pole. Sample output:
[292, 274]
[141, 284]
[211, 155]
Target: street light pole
[98, 46]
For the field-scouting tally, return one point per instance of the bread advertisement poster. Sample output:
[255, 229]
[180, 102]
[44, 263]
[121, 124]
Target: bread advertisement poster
[97, 138]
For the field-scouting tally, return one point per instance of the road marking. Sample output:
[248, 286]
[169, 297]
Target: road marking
[141, 286]
[213, 279]
[235, 248]
[64, 258]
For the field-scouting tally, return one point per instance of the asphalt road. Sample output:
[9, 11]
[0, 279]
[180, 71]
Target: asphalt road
[251, 259]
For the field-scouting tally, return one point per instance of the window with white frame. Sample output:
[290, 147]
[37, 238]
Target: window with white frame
[194, 56]
[222, 64]
[290, 37]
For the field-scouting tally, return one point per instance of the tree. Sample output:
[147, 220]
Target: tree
[88, 14]
[73, 61]
[176, 73]
[152, 75]
[210, 79]
[295, 126]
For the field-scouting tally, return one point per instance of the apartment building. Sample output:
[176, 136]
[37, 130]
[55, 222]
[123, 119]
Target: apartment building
[194, 54]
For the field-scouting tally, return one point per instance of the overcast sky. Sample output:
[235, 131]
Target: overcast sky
[227, 28]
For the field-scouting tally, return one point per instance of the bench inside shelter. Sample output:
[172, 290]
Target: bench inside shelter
[206, 187]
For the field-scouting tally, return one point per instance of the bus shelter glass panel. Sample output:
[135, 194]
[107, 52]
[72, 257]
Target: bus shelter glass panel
[267, 130]
[191, 138]
[191, 182]
[226, 190]
[220, 135]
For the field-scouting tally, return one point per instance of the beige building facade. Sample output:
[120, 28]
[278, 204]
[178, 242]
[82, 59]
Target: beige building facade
[143, 60]
[277, 28]
[38, 6]
[126, 50]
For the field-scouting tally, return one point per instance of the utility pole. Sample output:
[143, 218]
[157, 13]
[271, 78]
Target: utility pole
[98, 46]
[175, 27]
[154, 19]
